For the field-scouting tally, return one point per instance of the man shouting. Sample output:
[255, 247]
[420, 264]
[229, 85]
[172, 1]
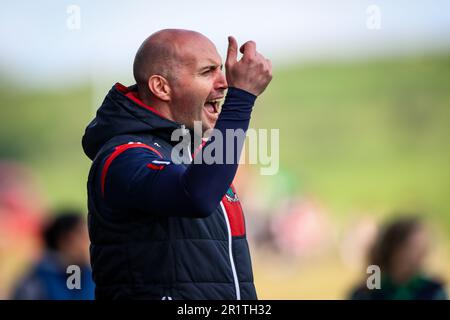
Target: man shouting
[161, 228]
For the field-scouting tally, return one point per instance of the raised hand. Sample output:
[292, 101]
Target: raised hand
[252, 73]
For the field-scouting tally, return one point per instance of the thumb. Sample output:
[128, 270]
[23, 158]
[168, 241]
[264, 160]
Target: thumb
[232, 51]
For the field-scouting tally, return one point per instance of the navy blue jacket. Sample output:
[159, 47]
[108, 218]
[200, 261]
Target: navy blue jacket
[160, 229]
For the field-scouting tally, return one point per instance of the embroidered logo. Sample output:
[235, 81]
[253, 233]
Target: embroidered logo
[231, 195]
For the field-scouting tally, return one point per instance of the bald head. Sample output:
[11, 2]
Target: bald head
[163, 53]
[179, 73]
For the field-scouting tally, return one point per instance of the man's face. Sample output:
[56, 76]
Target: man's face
[199, 86]
[410, 257]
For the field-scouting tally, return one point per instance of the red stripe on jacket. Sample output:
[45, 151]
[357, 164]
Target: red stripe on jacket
[117, 151]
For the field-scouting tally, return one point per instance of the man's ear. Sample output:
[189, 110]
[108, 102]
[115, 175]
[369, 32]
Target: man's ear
[159, 87]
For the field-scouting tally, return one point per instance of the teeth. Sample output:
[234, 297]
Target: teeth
[214, 101]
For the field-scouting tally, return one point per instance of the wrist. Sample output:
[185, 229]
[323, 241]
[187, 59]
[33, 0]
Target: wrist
[241, 94]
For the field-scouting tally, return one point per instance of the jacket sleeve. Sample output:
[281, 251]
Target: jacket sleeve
[139, 178]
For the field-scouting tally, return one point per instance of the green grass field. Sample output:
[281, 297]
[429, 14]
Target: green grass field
[371, 136]
[368, 136]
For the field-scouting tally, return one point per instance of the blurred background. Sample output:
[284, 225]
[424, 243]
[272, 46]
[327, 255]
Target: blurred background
[361, 96]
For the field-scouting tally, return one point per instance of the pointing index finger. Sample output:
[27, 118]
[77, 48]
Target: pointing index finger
[232, 51]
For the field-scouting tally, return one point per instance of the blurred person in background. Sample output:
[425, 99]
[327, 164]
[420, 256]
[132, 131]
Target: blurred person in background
[66, 243]
[22, 209]
[400, 251]
[300, 228]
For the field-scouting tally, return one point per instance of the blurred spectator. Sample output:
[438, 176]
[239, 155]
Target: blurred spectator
[66, 243]
[358, 240]
[300, 228]
[400, 251]
[22, 208]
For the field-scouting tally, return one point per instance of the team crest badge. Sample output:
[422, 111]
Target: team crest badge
[231, 195]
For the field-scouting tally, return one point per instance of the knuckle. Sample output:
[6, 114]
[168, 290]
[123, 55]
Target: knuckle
[251, 60]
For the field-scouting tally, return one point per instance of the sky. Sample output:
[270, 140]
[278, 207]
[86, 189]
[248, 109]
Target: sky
[50, 42]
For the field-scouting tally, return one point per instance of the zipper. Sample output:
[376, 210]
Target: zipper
[230, 244]
[230, 252]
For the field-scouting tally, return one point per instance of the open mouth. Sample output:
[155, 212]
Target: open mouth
[213, 105]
